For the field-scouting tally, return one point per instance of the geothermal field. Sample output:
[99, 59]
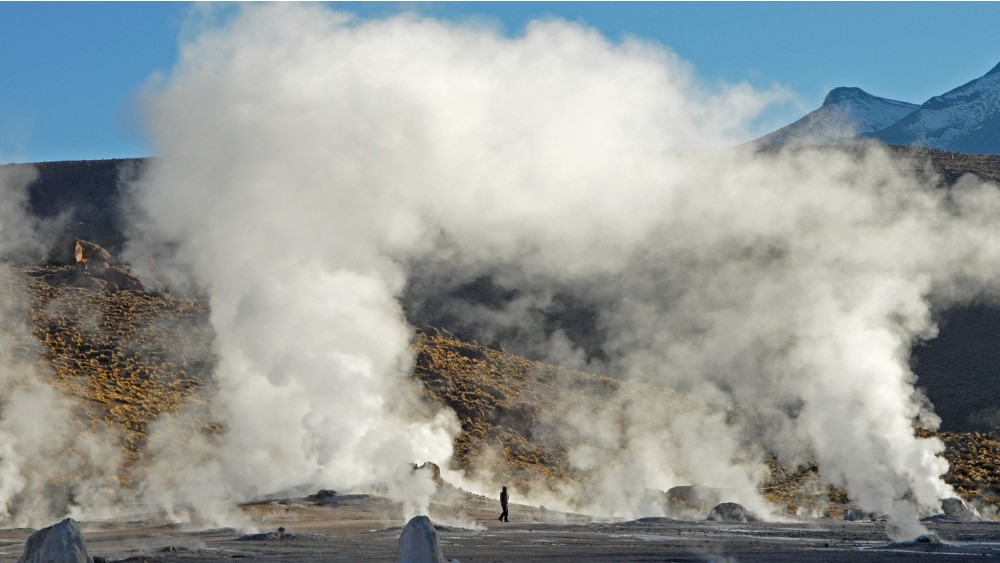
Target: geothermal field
[382, 268]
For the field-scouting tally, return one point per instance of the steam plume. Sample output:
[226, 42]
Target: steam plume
[314, 164]
[41, 442]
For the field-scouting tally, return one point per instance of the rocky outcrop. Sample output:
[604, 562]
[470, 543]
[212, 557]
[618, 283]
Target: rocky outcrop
[419, 542]
[61, 543]
[95, 268]
[323, 496]
[433, 469]
[958, 509]
[731, 512]
[91, 257]
[121, 277]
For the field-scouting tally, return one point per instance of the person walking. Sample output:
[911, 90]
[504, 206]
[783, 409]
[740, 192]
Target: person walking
[503, 505]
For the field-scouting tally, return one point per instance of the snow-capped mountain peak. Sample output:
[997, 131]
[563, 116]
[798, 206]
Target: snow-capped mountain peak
[846, 113]
[966, 119]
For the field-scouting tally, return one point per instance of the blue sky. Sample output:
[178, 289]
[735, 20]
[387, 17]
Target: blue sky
[71, 71]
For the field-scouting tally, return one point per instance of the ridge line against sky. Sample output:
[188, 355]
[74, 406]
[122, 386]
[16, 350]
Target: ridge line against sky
[73, 71]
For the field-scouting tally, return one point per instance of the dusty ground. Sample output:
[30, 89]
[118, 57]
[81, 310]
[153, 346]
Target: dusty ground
[361, 527]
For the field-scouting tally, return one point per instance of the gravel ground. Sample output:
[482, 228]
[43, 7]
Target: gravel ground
[366, 528]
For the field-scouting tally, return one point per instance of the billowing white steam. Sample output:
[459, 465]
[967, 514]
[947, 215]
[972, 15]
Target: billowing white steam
[310, 160]
[49, 464]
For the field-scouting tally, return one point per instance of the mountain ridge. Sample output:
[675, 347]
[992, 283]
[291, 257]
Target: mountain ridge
[965, 119]
[846, 113]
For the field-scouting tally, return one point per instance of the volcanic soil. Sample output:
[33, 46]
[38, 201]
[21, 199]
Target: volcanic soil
[362, 527]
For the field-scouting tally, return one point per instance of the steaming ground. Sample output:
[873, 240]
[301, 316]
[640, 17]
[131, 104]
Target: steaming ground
[351, 527]
[315, 169]
[478, 383]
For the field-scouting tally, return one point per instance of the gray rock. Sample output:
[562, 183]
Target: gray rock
[959, 509]
[694, 496]
[857, 514]
[60, 543]
[323, 496]
[121, 277]
[419, 542]
[731, 512]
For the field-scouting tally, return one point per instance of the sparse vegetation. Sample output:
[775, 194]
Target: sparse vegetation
[130, 357]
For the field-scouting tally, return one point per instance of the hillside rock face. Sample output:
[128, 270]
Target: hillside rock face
[846, 114]
[61, 542]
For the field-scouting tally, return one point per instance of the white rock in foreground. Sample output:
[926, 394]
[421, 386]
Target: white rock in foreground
[419, 542]
[62, 543]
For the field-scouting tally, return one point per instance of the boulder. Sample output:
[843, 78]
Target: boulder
[323, 496]
[61, 543]
[278, 535]
[121, 277]
[91, 257]
[857, 514]
[694, 496]
[81, 279]
[731, 512]
[959, 509]
[94, 268]
[62, 251]
[419, 542]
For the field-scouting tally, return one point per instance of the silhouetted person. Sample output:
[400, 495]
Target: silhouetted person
[503, 505]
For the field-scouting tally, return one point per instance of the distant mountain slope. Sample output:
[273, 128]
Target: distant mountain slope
[963, 120]
[966, 119]
[845, 114]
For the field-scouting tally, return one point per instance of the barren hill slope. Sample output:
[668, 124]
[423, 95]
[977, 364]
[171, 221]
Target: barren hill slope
[128, 357]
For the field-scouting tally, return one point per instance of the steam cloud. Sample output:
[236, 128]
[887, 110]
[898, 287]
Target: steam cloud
[41, 443]
[315, 165]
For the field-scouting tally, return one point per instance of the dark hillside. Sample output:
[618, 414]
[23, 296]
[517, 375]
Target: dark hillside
[960, 369]
[89, 191]
[129, 357]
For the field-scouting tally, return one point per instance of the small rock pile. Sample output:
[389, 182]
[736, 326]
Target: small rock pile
[94, 266]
